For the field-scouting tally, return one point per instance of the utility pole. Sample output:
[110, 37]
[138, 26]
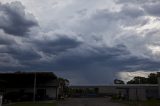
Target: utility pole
[34, 88]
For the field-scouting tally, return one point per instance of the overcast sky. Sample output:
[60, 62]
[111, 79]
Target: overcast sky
[86, 41]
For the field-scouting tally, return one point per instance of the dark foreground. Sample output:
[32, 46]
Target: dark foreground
[88, 102]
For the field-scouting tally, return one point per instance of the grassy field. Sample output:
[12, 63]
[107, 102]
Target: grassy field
[141, 103]
[151, 103]
[32, 104]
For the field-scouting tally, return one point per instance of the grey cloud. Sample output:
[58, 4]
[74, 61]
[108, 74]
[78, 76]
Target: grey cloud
[136, 1]
[152, 9]
[105, 21]
[14, 20]
[130, 16]
[6, 41]
[132, 12]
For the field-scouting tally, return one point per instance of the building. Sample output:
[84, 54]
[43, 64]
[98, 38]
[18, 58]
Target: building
[27, 86]
[126, 91]
[138, 92]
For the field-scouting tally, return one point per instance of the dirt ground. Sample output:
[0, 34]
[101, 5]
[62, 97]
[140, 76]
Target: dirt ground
[88, 102]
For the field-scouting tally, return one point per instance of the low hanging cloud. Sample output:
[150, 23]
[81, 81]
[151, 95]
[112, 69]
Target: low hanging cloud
[57, 44]
[6, 39]
[8, 61]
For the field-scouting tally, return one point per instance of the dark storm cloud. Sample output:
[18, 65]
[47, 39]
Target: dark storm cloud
[57, 45]
[95, 63]
[49, 47]
[19, 53]
[99, 63]
[33, 53]
[14, 20]
[6, 41]
[7, 61]
[23, 55]
[86, 57]
[83, 59]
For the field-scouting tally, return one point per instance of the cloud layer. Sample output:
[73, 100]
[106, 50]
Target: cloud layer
[86, 42]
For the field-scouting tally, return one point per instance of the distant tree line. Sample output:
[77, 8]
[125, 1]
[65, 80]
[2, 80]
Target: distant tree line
[152, 78]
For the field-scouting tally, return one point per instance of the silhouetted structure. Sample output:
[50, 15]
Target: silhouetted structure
[27, 86]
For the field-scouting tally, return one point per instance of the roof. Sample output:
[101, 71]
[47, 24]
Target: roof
[25, 79]
[117, 85]
[137, 86]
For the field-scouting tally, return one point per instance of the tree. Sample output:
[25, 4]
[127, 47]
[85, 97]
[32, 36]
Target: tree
[64, 89]
[138, 80]
[151, 79]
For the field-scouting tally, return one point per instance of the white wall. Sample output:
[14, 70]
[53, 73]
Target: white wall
[51, 92]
